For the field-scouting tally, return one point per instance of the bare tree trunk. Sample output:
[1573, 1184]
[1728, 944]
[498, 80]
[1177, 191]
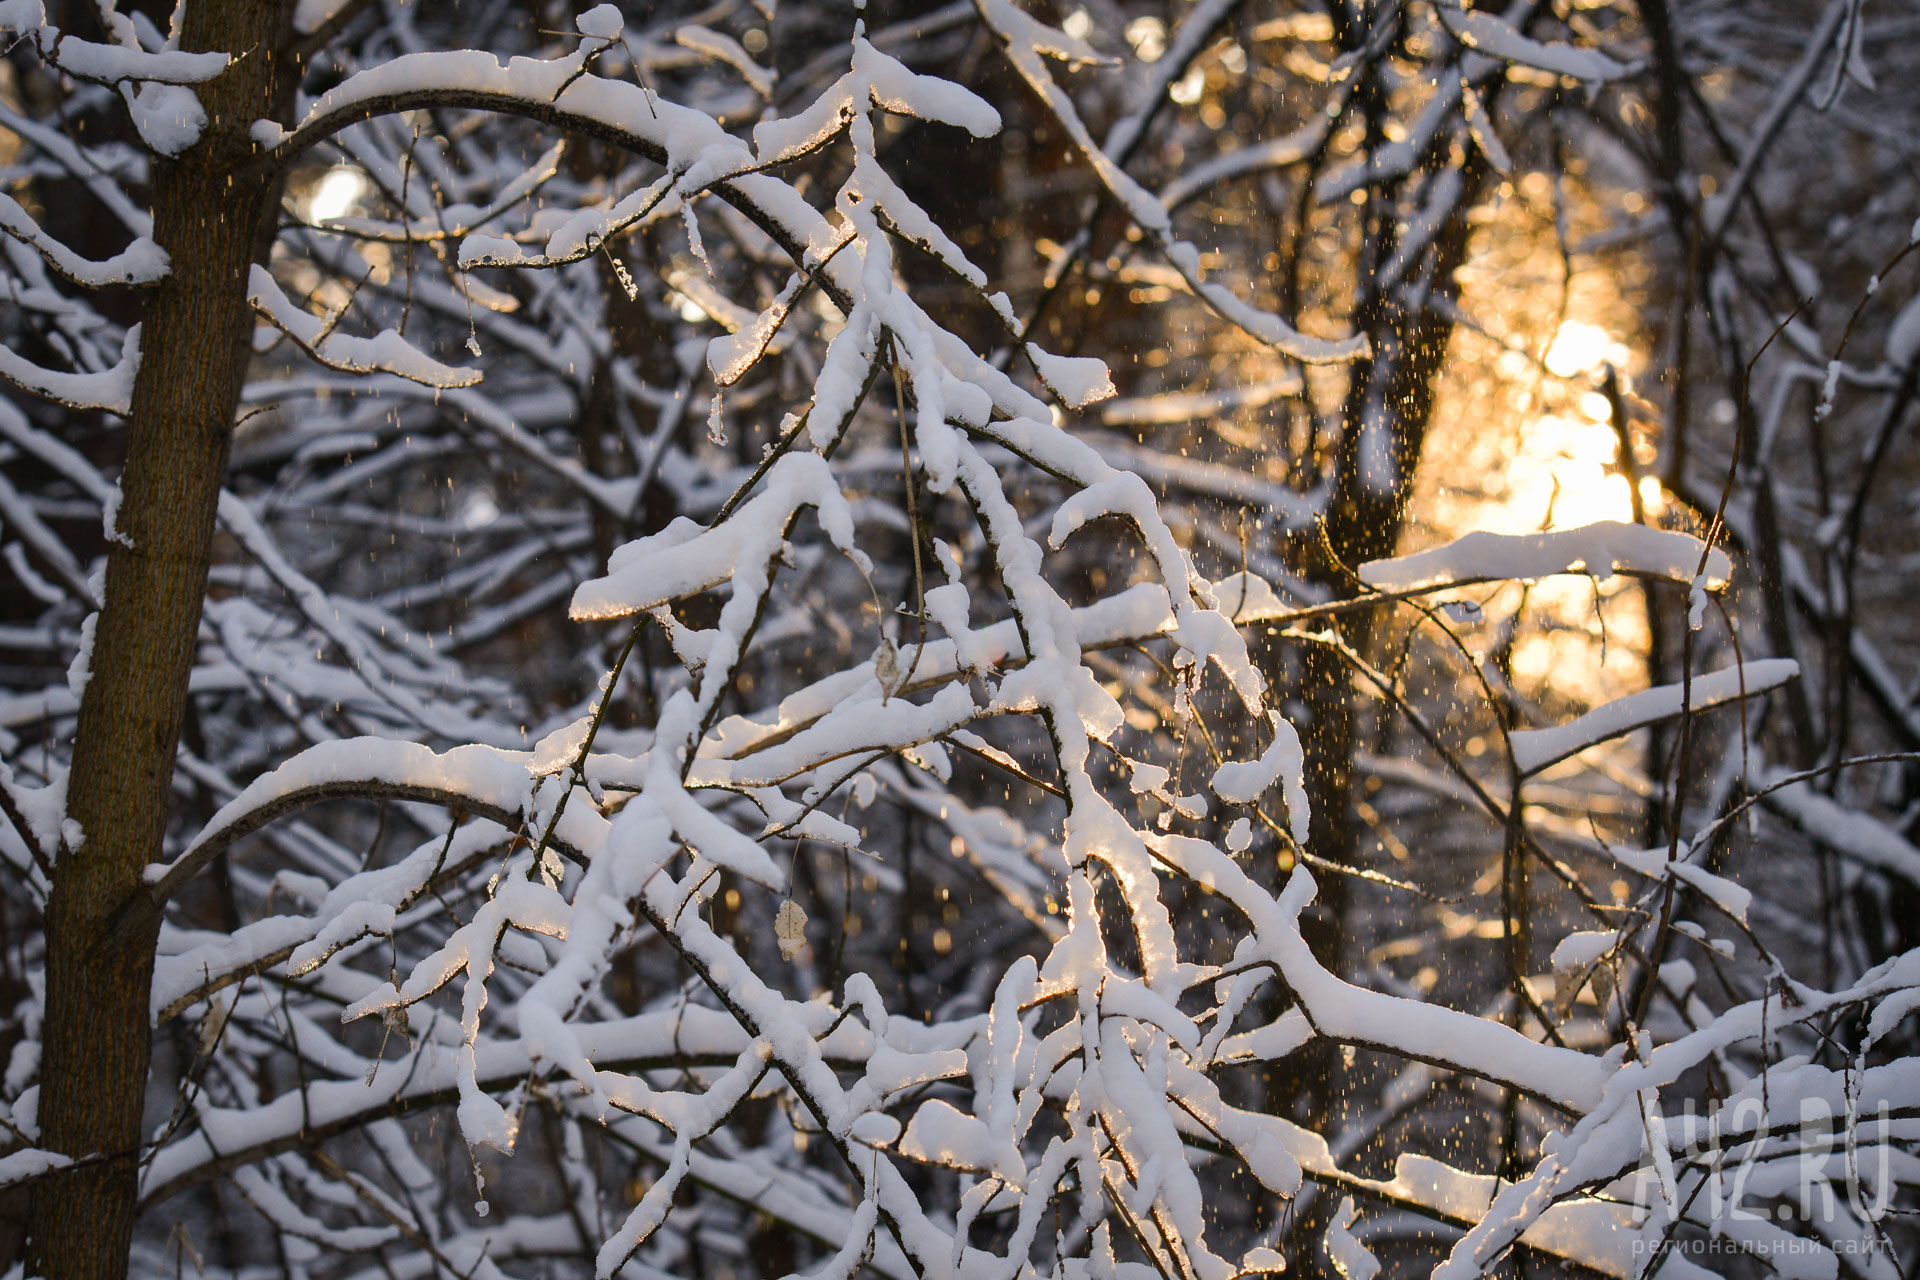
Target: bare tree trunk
[1394, 391]
[210, 207]
[1391, 392]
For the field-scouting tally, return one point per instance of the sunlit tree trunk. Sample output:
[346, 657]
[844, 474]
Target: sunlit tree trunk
[1391, 392]
[210, 205]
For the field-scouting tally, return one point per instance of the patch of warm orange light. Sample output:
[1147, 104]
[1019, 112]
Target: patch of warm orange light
[1522, 440]
[1562, 476]
[1579, 347]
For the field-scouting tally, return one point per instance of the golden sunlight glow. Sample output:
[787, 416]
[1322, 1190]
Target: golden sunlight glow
[1563, 477]
[1523, 439]
[1579, 347]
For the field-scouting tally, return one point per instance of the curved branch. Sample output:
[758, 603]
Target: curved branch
[614, 112]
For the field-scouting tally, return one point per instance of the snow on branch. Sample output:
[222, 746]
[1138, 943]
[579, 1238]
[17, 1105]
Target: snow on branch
[108, 389]
[1618, 1128]
[698, 153]
[385, 352]
[1026, 42]
[692, 1035]
[1535, 749]
[106, 63]
[1856, 835]
[878, 79]
[1354, 1015]
[142, 262]
[1597, 550]
[1493, 35]
[601, 946]
[29, 1163]
[155, 84]
[684, 559]
[484, 781]
[580, 236]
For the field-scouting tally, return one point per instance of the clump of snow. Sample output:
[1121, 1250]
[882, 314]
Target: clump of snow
[141, 262]
[1284, 761]
[1581, 950]
[109, 389]
[602, 22]
[169, 116]
[1078, 380]
[109, 522]
[80, 670]
[1903, 335]
[45, 809]
[1352, 1259]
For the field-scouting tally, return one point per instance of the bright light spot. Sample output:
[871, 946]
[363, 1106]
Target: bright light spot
[480, 510]
[1650, 496]
[1596, 406]
[1565, 461]
[1533, 657]
[690, 311]
[1588, 493]
[1512, 365]
[1079, 24]
[335, 194]
[1148, 36]
[1187, 89]
[1579, 347]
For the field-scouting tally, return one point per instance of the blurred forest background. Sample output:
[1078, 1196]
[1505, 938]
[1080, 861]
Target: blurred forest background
[1651, 265]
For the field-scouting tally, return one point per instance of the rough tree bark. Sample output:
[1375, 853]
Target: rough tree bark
[211, 206]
